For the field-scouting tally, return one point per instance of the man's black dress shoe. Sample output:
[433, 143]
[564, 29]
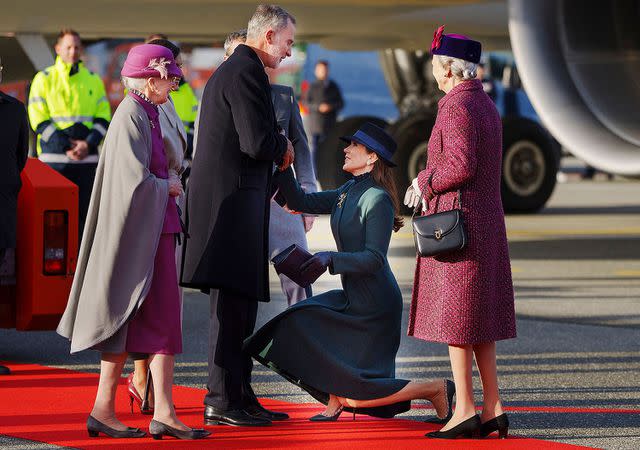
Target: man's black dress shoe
[257, 410]
[233, 417]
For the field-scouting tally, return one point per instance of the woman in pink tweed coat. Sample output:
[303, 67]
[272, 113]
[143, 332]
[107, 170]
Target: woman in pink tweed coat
[465, 298]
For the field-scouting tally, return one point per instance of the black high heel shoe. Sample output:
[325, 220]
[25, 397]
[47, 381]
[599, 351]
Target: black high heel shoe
[323, 418]
[159, 429]
[499, 423]
[465, 429]
[450, 389]
[95, 427]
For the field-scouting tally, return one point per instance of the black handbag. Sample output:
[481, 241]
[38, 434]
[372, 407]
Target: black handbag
[440, 232]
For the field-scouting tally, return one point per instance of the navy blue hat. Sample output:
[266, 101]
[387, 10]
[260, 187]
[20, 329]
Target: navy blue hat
[375, 139]
[456, 46]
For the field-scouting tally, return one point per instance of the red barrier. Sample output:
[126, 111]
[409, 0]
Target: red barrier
[47, 247]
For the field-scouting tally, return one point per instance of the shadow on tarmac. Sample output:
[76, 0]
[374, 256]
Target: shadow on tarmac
[612, 248]
[585, 210]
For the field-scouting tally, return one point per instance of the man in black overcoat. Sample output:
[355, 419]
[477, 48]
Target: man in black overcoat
[228, 210]
[324, 101]
[14, 147]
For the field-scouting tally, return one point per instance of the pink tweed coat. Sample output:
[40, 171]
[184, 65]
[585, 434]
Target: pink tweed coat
[466, 297]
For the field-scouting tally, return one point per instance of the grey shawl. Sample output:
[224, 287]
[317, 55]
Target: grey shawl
[173, 135]
[175, 145]
[121, 235]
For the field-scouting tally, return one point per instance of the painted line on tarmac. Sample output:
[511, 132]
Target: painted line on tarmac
[628, 231]
[552, 409]
[411, 359]
[627, 273]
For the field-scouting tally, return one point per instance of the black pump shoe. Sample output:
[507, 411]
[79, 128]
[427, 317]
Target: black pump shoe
[450, 389]
[499, 423]
[159, 429]
[465, 429]
[323, 418]
[95, 427]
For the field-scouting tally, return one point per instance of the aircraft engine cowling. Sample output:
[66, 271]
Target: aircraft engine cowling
[580, 64]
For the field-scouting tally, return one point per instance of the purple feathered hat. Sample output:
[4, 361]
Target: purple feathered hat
[149, 60]
[456, 46]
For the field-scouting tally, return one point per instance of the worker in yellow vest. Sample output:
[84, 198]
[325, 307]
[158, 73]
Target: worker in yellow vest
[69, 110]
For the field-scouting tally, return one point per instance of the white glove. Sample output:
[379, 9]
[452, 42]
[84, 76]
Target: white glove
[416, 186]
[411, 197]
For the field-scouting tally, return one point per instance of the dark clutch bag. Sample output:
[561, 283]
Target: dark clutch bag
[439, 233]
[288, 262]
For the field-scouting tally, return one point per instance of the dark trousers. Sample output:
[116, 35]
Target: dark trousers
[232, 319]
[82, 175]
[316, 142]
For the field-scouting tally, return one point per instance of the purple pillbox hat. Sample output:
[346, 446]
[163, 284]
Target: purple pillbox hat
[149, 61]
[456, 46]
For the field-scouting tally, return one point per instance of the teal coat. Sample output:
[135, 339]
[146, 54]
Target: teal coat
[343, 341]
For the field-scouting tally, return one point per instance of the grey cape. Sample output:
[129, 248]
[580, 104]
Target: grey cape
[121, 235]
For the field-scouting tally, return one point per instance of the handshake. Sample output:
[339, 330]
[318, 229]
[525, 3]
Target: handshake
[288, 157]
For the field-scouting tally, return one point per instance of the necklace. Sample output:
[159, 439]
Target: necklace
[142, 96]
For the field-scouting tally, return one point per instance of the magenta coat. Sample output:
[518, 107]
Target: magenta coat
[466, 297]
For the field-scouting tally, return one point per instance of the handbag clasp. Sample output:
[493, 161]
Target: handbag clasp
[438, 234]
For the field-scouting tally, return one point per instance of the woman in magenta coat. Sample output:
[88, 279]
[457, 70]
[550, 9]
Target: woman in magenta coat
[465, 298]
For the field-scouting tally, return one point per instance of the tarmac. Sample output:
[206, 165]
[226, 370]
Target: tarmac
[573, 373]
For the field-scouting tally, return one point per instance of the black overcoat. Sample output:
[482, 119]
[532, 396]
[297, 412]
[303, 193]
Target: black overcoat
[320, 92]
[14, 147]
[229, 188]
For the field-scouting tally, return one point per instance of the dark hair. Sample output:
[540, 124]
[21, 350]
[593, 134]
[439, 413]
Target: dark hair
[240, 35]
[66, 31]
[383, 177]
[322, 62]
[154, 36]
[168, 44]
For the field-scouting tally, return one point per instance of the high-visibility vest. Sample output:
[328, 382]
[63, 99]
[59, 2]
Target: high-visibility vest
[63, 95]
[186, 103]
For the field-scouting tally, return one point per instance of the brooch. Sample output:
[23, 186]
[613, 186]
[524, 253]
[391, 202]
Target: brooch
[341, 199]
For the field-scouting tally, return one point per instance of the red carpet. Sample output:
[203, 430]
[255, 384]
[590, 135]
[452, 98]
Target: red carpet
[51, 405]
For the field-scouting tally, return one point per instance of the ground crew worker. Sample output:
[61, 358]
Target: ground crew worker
[69, 110]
